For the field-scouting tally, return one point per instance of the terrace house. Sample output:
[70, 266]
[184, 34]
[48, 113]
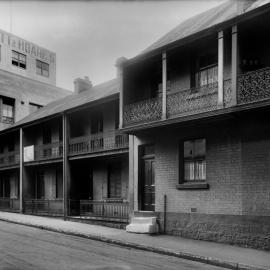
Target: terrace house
[69, 158]
[197, 102]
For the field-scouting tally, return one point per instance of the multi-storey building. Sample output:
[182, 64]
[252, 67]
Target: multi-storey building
[27, 78]
[197, 103]
[69, 158]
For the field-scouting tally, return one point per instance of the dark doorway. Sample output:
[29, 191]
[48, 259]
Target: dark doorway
[148, 178]
[114, 190]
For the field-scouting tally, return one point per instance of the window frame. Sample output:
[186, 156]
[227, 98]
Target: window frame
[189, 184]
[21, 63]
[43, 67]
[7, 111]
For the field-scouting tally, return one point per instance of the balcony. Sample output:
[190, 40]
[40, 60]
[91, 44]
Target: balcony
[107, 141]
[10, 159]
[114, 209]
[48, 151]
[144, 111]
[254, 86]
[44, 207]
[9, 204]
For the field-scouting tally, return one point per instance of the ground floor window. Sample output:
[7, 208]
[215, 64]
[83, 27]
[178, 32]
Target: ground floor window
[4, 187]
[194, 161]
[114, 179]
[59, 185]
[40, 185]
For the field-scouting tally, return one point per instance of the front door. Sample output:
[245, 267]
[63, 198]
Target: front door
[148, 196]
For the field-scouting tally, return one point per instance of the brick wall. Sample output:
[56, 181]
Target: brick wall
[238, 158]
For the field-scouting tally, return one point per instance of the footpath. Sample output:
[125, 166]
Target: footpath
[230, 257]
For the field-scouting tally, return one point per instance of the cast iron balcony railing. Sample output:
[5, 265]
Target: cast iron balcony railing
[48, 151]
[144, 111]
[254, 86]
[112, 140]
[193, 100]
[9, 159]
[9, 204]
[44, 206]
[107, 208]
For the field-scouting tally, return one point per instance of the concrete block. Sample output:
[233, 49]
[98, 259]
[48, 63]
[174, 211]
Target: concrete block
[146, 225]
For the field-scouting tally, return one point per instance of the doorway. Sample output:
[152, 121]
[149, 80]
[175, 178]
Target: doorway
[147, 183]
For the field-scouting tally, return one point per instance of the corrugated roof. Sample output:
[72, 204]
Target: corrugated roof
[98, 92]
[202, 21]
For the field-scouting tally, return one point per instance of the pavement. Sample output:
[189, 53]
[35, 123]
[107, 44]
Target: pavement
[27, 248]
[227, 256]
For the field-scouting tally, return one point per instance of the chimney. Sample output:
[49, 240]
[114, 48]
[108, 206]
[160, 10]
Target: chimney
[81, 85]
[119, 64]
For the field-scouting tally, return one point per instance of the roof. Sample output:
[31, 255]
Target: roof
[212, 17]
[97, 92]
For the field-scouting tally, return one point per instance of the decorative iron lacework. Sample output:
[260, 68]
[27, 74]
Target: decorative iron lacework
[193, 100]
[143, 111]
[227, 93]
[254, 85]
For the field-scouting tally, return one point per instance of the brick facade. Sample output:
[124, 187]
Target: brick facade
[236, 207]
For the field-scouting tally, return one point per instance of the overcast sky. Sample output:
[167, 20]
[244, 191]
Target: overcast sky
[89, 36]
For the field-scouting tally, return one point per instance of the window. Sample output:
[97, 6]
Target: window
[97, 123]
[194, 160]
[34, 107]
[8, 111]
[59, 185]
[114, 182]
[40, 185]
[47, 136]
[18, 59]
[11, 145]
[42, 68]
[207, 72]
[4, 187]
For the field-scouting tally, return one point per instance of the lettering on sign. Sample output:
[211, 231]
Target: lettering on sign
[16, 43]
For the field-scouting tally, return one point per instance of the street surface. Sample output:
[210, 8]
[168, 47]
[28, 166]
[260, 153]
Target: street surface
[27, 248]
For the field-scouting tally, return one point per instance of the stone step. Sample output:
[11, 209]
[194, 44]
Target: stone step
[147, 225]
[144, 220]
[145, 214]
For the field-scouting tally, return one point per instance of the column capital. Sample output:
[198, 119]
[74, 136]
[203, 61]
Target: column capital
[164, 55]
[234, 29]
[220, 34]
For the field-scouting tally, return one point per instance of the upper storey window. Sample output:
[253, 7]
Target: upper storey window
[18, 59]
[42, 68]
[7, 111]
[97, 123]
[207, 71]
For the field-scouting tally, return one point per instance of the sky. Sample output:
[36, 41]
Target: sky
[89, 36]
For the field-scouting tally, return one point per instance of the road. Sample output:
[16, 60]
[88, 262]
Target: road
[26, 248]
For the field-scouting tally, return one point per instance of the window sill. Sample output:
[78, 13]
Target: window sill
[186, 185]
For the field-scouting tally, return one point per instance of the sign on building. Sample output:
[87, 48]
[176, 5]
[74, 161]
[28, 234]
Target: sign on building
[28, 153]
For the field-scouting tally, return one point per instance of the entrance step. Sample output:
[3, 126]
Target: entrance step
[145, 214]
[141, 224]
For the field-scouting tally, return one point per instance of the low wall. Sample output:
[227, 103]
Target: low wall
[246, 231]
